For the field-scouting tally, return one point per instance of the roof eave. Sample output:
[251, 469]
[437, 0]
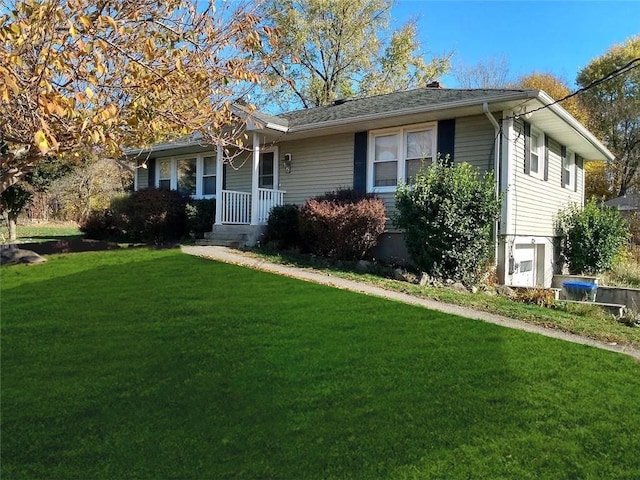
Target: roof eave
[575, 124]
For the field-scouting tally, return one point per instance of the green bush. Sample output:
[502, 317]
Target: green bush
[100, 225]
[447, 216]
[342, 225]
[150, 216]
[200, 216]
[283, 226]
[591, 237]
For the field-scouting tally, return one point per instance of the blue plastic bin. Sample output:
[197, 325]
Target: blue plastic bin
[580, 290]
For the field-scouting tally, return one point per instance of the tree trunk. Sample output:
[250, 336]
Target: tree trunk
[13, 227]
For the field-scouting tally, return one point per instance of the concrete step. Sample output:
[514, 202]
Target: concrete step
[204, 242]
[616, 309]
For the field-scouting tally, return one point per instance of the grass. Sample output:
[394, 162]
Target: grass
[154, 364]
[29, 232]
[585, 320]
[626, 270]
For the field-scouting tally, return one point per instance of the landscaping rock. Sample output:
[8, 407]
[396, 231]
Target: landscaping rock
[11, 256]
[505, 291]
[364, 266]
[398, 274]
[425, 279]
[459, 287]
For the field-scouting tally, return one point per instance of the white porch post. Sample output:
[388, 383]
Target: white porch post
[219, 178]
[255, 172]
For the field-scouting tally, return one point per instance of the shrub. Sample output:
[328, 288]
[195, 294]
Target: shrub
[154, 216]
[283, 226]
[200, 216]
[590, 237]
[342, 225]
[100, 225]
[447, 216]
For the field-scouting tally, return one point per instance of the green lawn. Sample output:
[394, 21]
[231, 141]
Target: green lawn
[37, 232]
[153, 364]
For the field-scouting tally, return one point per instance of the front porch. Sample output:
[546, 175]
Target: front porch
[235, 224]
[238, 208]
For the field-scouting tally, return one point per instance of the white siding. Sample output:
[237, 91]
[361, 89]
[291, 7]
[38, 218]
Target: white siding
[536, 201]
[474, 142]
[319, 165]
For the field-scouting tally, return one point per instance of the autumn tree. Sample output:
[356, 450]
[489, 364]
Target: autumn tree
[557, 89]
[600, 181]
[330, 49]
[612, 95]
[83, 77]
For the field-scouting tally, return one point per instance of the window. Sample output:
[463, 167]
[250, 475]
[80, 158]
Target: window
[396, 155]
[209, 176]
[419, 149]
[187, 176]
[385, 161]
[193, 175]
[266, 170]
[569, 171]
[164, 174]
[536, 147]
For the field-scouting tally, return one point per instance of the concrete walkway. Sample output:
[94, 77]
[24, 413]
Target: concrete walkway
[227, 255]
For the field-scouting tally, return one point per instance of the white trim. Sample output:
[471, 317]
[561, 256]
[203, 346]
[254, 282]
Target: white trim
[219, 183]
[577, 126]
[507, 168]
[255, 172]
[401, 133]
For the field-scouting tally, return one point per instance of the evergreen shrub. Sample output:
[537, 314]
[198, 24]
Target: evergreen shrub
[591, 237]
[447, 215]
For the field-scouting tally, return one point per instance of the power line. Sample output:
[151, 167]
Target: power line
[609, 76]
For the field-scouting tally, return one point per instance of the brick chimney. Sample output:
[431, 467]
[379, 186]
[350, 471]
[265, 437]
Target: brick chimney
[435, 84]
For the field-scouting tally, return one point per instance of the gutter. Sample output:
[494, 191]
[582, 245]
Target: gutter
[577, 126]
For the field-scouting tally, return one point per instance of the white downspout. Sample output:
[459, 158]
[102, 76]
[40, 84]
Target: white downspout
[496, 169]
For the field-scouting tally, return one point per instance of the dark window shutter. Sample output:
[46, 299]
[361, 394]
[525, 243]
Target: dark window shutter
[579, 166]
[546, 158]
[224, 176]
[446, 138]
[527, 148]
[360, 162]
[563, 173]
[151, 171]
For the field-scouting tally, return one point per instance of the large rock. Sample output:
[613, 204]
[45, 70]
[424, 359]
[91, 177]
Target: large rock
[12, 255]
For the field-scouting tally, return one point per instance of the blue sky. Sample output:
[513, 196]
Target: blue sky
[560, 37]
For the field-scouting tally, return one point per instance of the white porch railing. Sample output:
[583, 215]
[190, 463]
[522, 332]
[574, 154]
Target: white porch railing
[267, 199]
[236, 206]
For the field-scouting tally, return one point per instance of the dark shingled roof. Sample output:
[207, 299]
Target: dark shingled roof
[398, 101]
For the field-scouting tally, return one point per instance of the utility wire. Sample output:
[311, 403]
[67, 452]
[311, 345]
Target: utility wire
[610, 76]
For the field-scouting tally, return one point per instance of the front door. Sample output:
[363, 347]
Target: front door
[524, 268]
[267, 171]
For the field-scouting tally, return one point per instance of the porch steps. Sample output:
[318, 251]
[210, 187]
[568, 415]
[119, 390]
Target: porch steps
[234, 236]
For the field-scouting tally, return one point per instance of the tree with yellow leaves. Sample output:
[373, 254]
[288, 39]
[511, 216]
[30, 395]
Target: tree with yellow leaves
[84, 77]
[557, 89]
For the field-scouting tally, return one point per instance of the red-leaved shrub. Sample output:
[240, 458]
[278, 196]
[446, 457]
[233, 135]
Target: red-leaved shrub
[341, 225]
